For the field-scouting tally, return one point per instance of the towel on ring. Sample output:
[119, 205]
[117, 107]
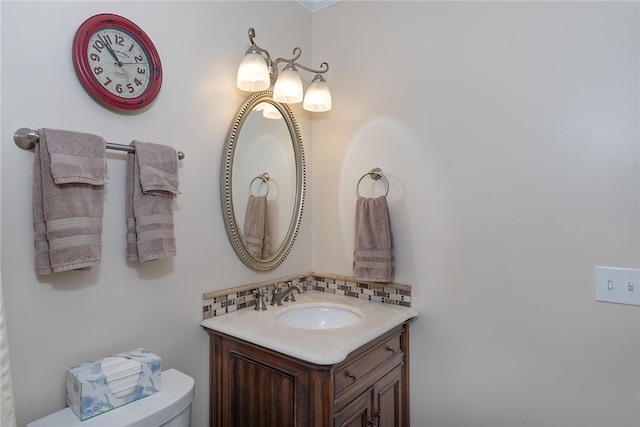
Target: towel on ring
[373, 256]
[67, 217]
[255, 233]
[152, 183]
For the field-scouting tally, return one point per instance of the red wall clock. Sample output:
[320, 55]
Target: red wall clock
[116, 62]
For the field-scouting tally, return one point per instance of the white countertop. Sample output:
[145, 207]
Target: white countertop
[320, 346]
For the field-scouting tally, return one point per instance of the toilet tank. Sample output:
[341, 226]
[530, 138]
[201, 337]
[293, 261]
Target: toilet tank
[170, 407]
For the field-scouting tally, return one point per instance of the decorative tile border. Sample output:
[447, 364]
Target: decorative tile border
[229, 300]
[388, 293]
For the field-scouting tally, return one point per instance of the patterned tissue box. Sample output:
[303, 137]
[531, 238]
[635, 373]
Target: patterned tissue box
[89, 392]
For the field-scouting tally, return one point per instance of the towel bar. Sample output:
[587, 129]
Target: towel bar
[26, 138]
[375, 174]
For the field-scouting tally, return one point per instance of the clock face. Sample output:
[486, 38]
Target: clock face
[119, 62]
[116, 62]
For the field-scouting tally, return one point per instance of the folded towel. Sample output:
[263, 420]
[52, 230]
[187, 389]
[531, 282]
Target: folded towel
[77, 157]
[150, 230]
[67, 218]
[158, 169]
[373, 257]
[255, 233]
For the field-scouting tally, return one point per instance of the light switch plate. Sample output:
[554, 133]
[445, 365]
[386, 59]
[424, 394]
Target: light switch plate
[618, 285]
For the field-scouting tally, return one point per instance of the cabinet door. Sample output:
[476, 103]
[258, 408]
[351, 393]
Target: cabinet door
[254, 388]
[261, 395]
[357, 413]
[388, 399]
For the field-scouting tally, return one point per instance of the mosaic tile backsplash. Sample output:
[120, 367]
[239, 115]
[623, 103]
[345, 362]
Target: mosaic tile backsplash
[228, 300]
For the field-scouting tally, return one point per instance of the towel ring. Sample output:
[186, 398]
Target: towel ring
[375, 174]
[264, 178]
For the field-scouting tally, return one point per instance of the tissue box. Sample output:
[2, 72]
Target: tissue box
[89, 392]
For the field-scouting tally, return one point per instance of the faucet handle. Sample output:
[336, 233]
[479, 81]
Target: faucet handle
[260, 305]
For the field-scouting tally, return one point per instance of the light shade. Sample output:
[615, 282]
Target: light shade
[318, 96]
[260, 106]
[253, 73]
[288, 87]
[271, 112]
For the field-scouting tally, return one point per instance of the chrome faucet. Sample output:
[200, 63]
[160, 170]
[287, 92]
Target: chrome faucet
[277, 297]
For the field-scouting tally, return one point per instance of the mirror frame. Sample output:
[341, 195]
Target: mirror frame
[226, 184]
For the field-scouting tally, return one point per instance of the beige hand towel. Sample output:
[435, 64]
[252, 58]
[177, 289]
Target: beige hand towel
[76, 157]
[150, 228]
[373, 257]
[67, 217]
[255, 234]
[158, 169]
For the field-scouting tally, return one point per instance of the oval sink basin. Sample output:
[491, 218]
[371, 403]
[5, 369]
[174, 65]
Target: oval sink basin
[325, 317]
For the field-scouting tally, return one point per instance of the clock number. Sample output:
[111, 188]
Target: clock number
[97, 70]
[119, 88]
[119, 40]
[130, 87]
[107, 38]
[107, 82]
[98, 45]
[137, 82]
[131, 47]
[142, 71]
[94, 57]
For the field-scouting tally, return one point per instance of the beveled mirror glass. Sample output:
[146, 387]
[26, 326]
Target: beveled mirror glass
[263, 182]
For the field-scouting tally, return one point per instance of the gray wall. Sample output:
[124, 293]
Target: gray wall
[509, 132]
[511, 145]
[57, 321]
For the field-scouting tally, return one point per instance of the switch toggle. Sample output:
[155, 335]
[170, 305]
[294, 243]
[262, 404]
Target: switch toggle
[618, 285]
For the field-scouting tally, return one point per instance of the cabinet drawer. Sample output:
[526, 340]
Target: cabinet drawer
[354, 371]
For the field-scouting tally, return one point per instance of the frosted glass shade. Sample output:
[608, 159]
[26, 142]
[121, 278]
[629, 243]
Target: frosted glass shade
[318, 97]
[271, 112]
[288, 87]
[260, 106]
[253, 73]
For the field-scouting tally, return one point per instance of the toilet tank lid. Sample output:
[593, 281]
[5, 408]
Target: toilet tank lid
[176, 395]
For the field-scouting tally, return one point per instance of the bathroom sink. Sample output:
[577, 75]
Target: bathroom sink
[319, 317]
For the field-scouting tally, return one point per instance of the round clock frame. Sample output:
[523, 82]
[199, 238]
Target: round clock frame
[116, 62]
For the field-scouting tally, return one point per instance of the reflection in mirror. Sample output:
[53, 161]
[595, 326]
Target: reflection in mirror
[263, 182]
[265, 147]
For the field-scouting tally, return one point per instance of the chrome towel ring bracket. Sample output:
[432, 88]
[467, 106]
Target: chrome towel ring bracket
[375, 174]
[265, 179]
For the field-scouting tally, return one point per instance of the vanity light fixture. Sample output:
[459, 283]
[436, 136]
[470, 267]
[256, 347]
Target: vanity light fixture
[258, 72]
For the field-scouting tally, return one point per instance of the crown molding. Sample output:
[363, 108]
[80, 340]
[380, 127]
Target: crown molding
[316, 5]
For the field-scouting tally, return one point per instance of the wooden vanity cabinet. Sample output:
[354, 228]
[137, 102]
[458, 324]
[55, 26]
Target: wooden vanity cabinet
[252, 386]
[379, 405]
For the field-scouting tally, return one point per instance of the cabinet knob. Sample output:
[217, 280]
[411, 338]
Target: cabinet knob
[353, 376]
[370, 421]
[391, 350]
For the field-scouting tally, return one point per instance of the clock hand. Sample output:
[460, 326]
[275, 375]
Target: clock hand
[108, 46]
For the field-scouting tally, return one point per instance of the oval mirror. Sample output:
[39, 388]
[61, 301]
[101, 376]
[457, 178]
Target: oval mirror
[263, 182]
